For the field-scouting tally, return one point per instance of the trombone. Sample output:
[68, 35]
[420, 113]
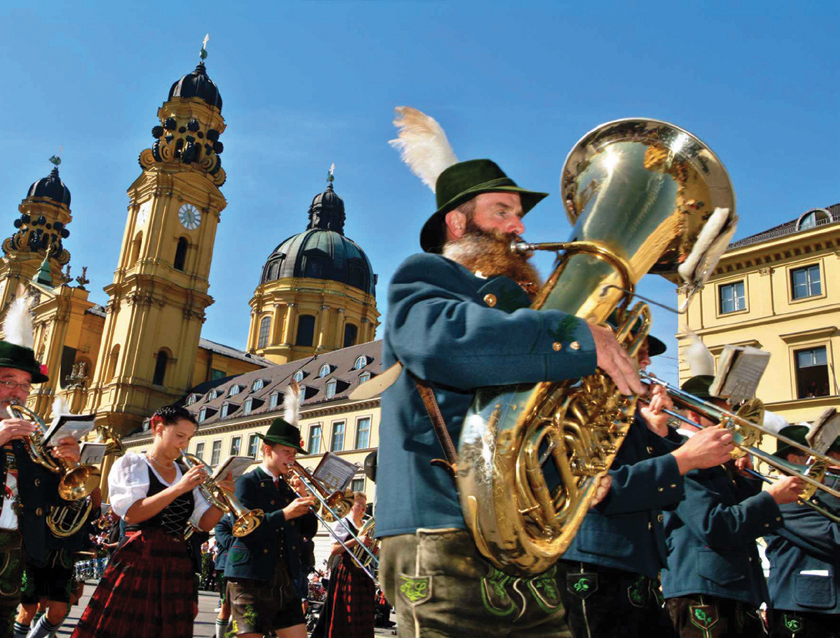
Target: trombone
[746, 433]
[245, 521]
[336, 503]
[77, 481]
[313, 487]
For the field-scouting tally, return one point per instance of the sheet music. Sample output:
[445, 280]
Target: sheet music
[739, 371]
[92, 453]
[236, 464]
[825, 431]
[69, 425]
[334, 472]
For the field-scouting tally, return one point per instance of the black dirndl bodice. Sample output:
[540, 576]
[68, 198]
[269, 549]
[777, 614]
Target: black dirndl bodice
[173, 518]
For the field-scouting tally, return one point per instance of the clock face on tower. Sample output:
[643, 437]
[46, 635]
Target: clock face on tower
[190, 216]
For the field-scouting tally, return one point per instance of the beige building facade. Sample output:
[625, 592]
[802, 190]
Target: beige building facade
[779, 291]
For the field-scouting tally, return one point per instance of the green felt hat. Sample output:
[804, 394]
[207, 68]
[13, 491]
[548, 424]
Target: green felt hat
[283, 433]
[699, 386]
[460, 183]
[794, 432]
[22, 358]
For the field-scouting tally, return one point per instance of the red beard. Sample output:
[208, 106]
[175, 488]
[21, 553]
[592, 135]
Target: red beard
[489, 253]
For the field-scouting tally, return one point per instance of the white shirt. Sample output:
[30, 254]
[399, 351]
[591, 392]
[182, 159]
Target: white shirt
[129, 481]
[8, 516]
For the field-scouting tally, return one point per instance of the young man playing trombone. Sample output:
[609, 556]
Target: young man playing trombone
[263, 566]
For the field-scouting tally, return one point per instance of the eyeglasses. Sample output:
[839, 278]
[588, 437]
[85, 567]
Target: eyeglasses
[11, 385]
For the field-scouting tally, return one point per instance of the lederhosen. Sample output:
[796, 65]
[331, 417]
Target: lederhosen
[148, 589]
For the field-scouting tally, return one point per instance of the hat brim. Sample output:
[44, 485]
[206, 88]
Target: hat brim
[655, 346]
[37, 377]
[432, 237]
[282, 440]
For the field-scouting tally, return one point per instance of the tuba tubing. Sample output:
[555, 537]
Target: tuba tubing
[639, 193]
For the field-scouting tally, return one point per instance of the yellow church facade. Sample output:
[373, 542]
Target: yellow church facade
[779, 291]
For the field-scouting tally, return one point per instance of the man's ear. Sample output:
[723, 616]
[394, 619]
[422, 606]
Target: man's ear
[456, 224]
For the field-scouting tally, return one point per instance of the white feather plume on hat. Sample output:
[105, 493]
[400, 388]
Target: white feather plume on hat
[700, 359]
[291, 403]
[422, 144]
[17, 326]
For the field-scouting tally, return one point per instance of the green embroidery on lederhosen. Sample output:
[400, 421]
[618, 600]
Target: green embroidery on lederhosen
[792, 623]
[703, 617]
[10, 573]
[233, 630]
[635, 592]
[415, 589]
[494, 593]
[582, 585]
[545, 591]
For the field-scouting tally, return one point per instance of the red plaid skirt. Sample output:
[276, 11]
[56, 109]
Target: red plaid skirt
[353, 605]
[147, 591]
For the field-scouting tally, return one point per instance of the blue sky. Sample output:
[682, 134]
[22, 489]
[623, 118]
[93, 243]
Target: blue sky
[309, 83]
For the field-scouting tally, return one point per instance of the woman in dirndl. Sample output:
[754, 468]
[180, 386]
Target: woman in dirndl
[149, 589]
[351, 605]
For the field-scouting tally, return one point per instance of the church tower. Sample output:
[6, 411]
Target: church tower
[38, 238]
[159, 293]
[317, 292]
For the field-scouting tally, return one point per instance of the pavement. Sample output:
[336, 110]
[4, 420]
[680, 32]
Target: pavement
[205, 622]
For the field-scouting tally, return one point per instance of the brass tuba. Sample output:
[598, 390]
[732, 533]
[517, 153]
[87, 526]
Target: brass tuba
[65, 520]
[639, 192]
[365, 558]
[77, 481]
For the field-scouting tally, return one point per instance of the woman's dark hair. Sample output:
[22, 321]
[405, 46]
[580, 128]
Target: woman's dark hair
[171, 414]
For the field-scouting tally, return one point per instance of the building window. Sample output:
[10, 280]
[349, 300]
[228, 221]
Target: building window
[199, 450]
[213, 394]
[160, 368]
[812, 373]
[305, 331]
[202, 414]
[257, 385]
[235, 445]
[351, 332]
[247, 408]
[364, 377]
[732, 297]
[216, 374]
[181, 254]
[363, 433]
[805, 282]
[331, 389]
[360, 363]
[298, 376]
[302, 396]
[192, 399]
[324, 371]
[234, 389]
[216, 452]
[226, 409]
[273, 399]
[253, 445]
[357, 485]
[265, 327]
[314, 439]
[337, 437]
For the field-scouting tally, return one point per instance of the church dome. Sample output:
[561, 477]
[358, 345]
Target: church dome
[322, 251]
[51, 187]
[197, 84]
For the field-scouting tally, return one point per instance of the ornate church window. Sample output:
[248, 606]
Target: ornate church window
[305, 331]
[160, 368]
[351, 333]
[181, 254]
[265, 327]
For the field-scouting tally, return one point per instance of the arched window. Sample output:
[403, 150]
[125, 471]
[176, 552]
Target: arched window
[112, 363]
[361, 362]
[257, 385]
[181, 254]
[213, 394]
[234, 389]
[160, 368]
[324, 371]
[298, 376]
[351, 332]
[305, 331]
[192, 399]
[135, 248]
[813, 218]
[265, 327]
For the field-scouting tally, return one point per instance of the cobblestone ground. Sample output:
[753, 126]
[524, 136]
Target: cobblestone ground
[205, 623]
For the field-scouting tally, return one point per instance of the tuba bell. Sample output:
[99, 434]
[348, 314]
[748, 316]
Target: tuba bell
[639, 193]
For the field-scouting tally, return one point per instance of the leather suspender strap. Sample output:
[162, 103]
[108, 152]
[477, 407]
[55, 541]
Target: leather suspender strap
[450, 460]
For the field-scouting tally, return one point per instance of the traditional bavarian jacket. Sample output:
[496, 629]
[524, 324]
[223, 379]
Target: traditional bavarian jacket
[224, 539]
[457, 331]
[804, 560]
[625, 530]
[712, 534]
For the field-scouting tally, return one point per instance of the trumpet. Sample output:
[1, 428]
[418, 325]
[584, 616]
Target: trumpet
[747, 433]
[245, 521]
[337, 503]
[77, 481]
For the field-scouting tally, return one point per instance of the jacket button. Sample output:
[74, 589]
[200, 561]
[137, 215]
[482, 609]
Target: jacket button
[490, 300]
[39, 511]
[661, 489]
[272, 501]
[574, 345]
[265, 551]
[37, 482]
[557, 346]
[650, 449]
[660, 518]
[674, 485]
[294, 546]
[650, 526]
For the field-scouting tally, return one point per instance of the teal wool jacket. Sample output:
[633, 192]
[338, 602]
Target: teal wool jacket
[255, 556]
[625, 530]
[712, 534]
[224, 539]
[804, 560]
[459, 332]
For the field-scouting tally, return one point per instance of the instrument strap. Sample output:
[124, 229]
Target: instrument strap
[450, 462]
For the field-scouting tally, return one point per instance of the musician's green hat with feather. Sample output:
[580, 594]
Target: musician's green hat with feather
[16, 349]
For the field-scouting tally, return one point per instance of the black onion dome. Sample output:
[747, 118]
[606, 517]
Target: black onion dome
[51, 187]
[327, 211]
[197, 84]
